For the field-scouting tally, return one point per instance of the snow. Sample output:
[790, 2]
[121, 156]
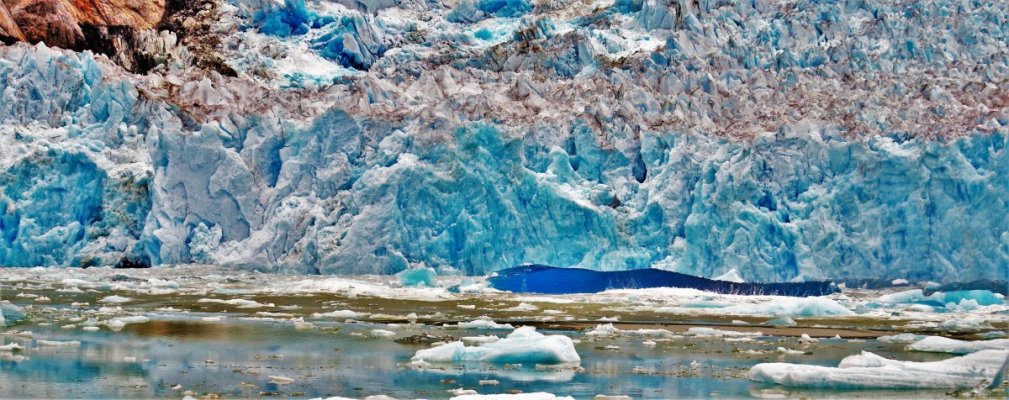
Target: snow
[524, 345]
[868, 370]
[939, 344]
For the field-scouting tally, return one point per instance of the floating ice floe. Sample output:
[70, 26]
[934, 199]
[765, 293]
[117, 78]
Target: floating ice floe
[524, 345]
[117, 324]
[340, 314]
[939, 344]
[57, 343]
[382, 333]
[868, 370]
[115, 299]
[420, 277]
[791, 307]
[603, 330]
[901, 338]
[517, 396]
[719, 333]
[240, 303]
[962, 300]
[483, 323]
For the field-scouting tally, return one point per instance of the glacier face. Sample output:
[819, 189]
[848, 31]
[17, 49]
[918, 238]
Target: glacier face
[99, 166]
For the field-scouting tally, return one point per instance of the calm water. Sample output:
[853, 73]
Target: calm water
[235, 358]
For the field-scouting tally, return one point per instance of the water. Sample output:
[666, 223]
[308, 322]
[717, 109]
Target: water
[200, 341]
[236, 358]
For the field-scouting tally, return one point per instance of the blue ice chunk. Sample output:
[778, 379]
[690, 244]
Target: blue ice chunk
[483, 34]
[352, 42]
[944, 299]
[505, 8]
[468, 12]
[10, 313]
[553, 280]
[290, 18]
[419, 276]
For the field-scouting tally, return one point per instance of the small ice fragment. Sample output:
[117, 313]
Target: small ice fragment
[939, 344]
[57, 343]
[806, 339]
[90, 328]
[782, 321]
[783, 350]
[649, 343]
[467, 306]
[486, 382]
[484, 323]
[339, 314]
[517, 396]
[521, 308]
[901, 338]
[461, 392]
[281, 380]
[240, 303]
[382, 333]
[712, 332]
[115, 299]
[11, 347]
[899, 282]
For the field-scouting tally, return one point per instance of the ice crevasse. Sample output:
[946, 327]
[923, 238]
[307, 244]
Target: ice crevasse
[94, 172]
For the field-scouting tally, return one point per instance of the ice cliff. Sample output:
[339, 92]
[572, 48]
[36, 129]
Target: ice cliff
[786, 140]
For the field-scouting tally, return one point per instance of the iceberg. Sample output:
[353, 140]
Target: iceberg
[522, 346]
[807, 307]
[868, 370]
[552, 280]
[418, 276]
[939, 344]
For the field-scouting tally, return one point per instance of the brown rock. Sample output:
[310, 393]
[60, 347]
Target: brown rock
[64, 23]
[8, 28]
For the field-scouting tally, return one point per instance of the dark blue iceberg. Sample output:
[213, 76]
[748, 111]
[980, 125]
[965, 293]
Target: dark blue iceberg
[552, 280]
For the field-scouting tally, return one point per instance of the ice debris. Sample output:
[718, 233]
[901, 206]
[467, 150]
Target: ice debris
[417, 276]
[524, 345]
[939, 344]
[868, 370]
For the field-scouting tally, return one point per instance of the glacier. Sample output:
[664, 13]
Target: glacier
[549, 138]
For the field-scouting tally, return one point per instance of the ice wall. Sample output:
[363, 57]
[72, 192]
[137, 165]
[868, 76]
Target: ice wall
[472, 165]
